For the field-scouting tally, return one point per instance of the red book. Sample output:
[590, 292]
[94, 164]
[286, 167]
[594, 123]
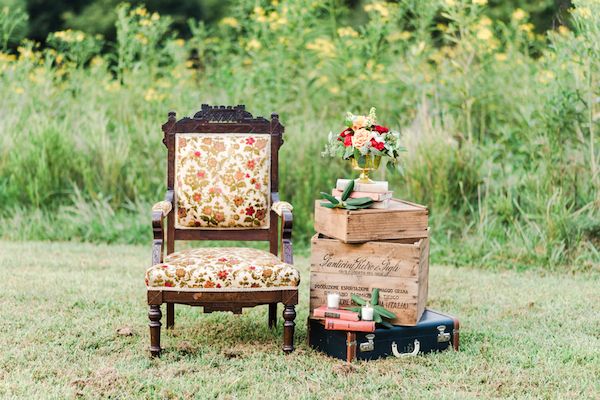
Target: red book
[346, 315]
[356, 326]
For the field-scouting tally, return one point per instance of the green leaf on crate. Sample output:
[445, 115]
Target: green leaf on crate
[330, 197]
[358, 300]
[375, 297]
[377, 318]
[360, 201]
[387, 324]
[328, 205]
[349, 188]
[385, 313]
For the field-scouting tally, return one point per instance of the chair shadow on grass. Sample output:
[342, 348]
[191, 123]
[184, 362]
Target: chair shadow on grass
[227, 333]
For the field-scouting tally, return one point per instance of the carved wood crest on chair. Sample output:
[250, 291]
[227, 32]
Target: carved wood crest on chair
[222, 184]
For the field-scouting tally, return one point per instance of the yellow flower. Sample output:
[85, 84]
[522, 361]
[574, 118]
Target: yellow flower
[152, 95]
[180, 42]
[563, 30]
[253, 44]
[450, 3]
[519, 14]
[276, 21]
[480, 2]
[230, 21]
[7, 57]
[259, 14]
[141, 38]
[546, 76]
[155, 16]
[141, 11]
[484, 34]
[322, 46]
[334, 90]
[500, 57]
[404, 35]
[528, 27]
[485, 21]
[19, 90]
[583, 12]
[380, 8]
[347, 31]
[79, 36]
[145, 22]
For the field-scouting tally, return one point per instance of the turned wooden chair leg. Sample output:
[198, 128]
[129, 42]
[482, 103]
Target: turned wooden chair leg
[272, 315]
[154, 314]
[289, 315]
[170, 315]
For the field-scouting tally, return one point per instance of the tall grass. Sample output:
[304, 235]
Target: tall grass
[500, 123]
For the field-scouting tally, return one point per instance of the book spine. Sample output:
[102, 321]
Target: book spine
[354, 195]
[355, 326]
[343, 315]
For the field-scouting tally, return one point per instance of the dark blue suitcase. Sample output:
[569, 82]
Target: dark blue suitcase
[434, 332]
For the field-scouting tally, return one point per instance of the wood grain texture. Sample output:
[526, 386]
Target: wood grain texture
[401, 220]
[399, 268]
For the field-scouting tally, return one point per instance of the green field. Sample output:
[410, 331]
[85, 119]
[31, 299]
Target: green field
[500, 118]
[527, 334]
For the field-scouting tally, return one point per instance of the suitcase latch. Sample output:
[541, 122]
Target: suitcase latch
[370, 345]
[443, 336]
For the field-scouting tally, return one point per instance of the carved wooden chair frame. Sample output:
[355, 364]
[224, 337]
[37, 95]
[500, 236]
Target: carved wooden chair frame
[221, 119]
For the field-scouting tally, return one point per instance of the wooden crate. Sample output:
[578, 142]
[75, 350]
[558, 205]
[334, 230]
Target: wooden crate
[399, 268]
[401, 220]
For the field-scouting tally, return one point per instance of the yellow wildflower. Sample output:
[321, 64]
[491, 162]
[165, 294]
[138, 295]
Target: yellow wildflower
[519, 14]
[155, 16]
[7, 57]
[450, 3]
[500, 57]
[276, 21]
[322, 46]
[141, 38]
[404, 35]
[247, 61]
[180, 42]
[347, 31]
[19, 90]
[583, 12]
[230, 21]
[485, 21]
[563, 30]
[141, 11]
[546, 76]
[480, 2]
[59, 58]
[189, 64]
[96, 61]
[259, 14]
[152, 95]
[253, 44]
[334, 90]
[380, 8]
[145, 22]
[79, 36]
[484, 34]
[528, 27]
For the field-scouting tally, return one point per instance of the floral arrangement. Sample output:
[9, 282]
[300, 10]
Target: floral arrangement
[362, 139]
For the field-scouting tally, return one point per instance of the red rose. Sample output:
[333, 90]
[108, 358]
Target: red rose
[250, 210]
[380, 129]
[378, 145]
[348, 141]
[197, 153]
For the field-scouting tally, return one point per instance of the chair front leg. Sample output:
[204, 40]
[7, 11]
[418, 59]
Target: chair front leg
[154, 314]
[170, 315]
[289, 315]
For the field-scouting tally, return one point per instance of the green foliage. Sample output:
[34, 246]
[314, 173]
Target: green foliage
[500, 122]
[345, 202]
[380, 314]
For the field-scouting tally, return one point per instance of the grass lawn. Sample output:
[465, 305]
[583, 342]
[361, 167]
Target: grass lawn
[524, 335]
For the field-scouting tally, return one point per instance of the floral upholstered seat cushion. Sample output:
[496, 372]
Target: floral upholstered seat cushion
[222, 181]
[221, 268]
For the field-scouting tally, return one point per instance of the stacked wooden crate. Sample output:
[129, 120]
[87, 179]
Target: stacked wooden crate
[356, 251]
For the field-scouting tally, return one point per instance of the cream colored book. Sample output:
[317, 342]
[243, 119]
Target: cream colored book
[355, 195]
[375, 187]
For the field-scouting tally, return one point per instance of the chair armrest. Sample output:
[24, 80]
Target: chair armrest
[284, 210]
[159, 211]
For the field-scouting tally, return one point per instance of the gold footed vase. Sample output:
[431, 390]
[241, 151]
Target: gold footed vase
[371, 163]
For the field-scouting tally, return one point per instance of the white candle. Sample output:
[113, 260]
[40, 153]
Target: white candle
[366, 312]
[333, 300]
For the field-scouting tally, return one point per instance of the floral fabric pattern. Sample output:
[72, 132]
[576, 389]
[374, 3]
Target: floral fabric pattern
[222, 267]
[222, 181]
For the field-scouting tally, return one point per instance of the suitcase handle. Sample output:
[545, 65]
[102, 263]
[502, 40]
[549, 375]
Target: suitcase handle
[401, 355]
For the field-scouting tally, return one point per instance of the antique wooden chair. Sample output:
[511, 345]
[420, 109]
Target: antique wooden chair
[222, 182]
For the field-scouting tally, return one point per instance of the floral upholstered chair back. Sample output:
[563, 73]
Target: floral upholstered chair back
[222, 180]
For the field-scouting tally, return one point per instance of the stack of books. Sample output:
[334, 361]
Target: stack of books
[378, 191]
[342, 320]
